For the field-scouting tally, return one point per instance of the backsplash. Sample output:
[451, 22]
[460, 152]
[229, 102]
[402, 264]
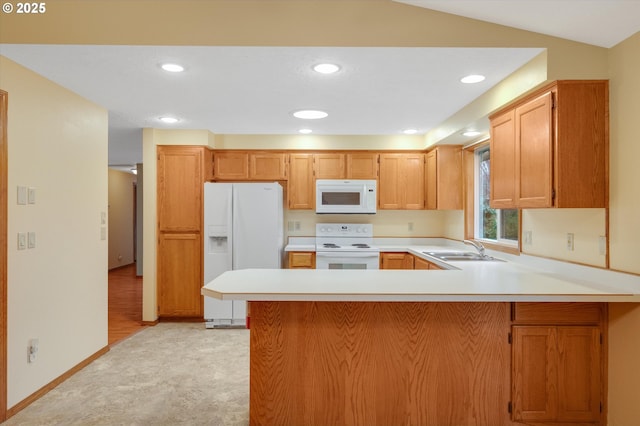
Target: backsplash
[386, 223]
[549, 229]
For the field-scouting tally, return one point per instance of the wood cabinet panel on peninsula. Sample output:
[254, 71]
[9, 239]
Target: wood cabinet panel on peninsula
[431, 363]
[180, 179]
[550, 148]
[557, 366]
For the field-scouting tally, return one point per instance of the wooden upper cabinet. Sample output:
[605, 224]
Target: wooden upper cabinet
[208, 165]
[502, 151]
[179, 188]
[443, 171]
[362, 165]
[301, 188]
[552, 147]
[267, 166]
[231, 165]
[534, 152]
[249, 165]
[401, 183]
[330, 166]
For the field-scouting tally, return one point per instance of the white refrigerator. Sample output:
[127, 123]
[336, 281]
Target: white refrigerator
[244, 228]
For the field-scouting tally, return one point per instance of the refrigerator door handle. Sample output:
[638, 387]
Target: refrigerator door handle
[230, 227]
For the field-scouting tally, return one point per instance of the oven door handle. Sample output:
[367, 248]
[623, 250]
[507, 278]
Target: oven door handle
[350, 254]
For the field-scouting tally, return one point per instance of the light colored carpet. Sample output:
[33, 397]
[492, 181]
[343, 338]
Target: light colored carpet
[170, 374]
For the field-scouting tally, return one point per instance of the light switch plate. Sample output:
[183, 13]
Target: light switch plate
[22, 195]
[31, 195]
[22, 241]
[31, 240]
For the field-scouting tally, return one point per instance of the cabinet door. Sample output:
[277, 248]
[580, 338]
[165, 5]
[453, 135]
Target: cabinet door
[556, 373]
[231, 165]
[412, 181]
[179, 275]
[389, 190]
[420, 263]
[301, 187]
[329, 166]
[302, 260]
[362, 165]
[449, 177]
[396, 261]
[579, 374]
[502, 179]
[534, 153]
[267, 166]
[180, 186]
[431, 174]
[401, 183]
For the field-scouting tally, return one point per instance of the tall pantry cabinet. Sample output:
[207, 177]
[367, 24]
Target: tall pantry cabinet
[181, 175]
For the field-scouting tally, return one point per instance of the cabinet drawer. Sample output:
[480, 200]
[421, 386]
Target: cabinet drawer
[557, 312]
[302, 260]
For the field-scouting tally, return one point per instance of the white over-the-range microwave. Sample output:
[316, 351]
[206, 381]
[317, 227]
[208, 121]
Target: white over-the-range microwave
[338, 196]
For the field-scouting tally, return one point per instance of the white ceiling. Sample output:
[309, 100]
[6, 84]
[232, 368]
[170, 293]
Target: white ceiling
[602, 23]
[254, 90]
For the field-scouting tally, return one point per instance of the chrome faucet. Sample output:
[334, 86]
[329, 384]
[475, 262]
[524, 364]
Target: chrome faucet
[477, 245]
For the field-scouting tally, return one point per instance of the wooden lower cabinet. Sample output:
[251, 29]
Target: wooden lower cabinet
[179, 286]
[420, 263]
[557, 362]
[556, 373]
[396, 261]
[302, 260]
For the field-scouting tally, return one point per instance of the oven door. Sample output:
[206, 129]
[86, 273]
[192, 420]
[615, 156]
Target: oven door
[347, 260]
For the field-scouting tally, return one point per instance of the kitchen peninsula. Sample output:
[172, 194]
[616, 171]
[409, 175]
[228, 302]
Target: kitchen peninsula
[433, 347]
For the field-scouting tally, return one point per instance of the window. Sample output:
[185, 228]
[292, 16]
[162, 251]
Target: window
[495, 225]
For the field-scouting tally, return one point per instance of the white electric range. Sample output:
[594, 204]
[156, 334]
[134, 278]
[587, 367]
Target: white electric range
[346, 246]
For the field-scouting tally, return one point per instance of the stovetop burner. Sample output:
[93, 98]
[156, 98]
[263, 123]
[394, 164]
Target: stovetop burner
[344, 237]
[330, 245]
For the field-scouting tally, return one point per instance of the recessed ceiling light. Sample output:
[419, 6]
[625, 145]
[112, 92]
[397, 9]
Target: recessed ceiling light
[310, 114]
[326, 68]
[305, 131]
[410, 131]
[172, 67]
[473, 78]
[169, 120]
[471, 133]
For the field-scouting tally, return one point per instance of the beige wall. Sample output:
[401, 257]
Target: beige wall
[549, 229]
[121, 214]
[386, 223]
[624, 320]
[57, 292]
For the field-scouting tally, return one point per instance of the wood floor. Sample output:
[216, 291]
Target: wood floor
[125, 303]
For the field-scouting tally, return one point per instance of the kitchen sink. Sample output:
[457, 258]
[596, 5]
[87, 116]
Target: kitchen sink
[456, 256]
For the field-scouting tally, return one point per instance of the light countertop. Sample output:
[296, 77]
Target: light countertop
[519, 278]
